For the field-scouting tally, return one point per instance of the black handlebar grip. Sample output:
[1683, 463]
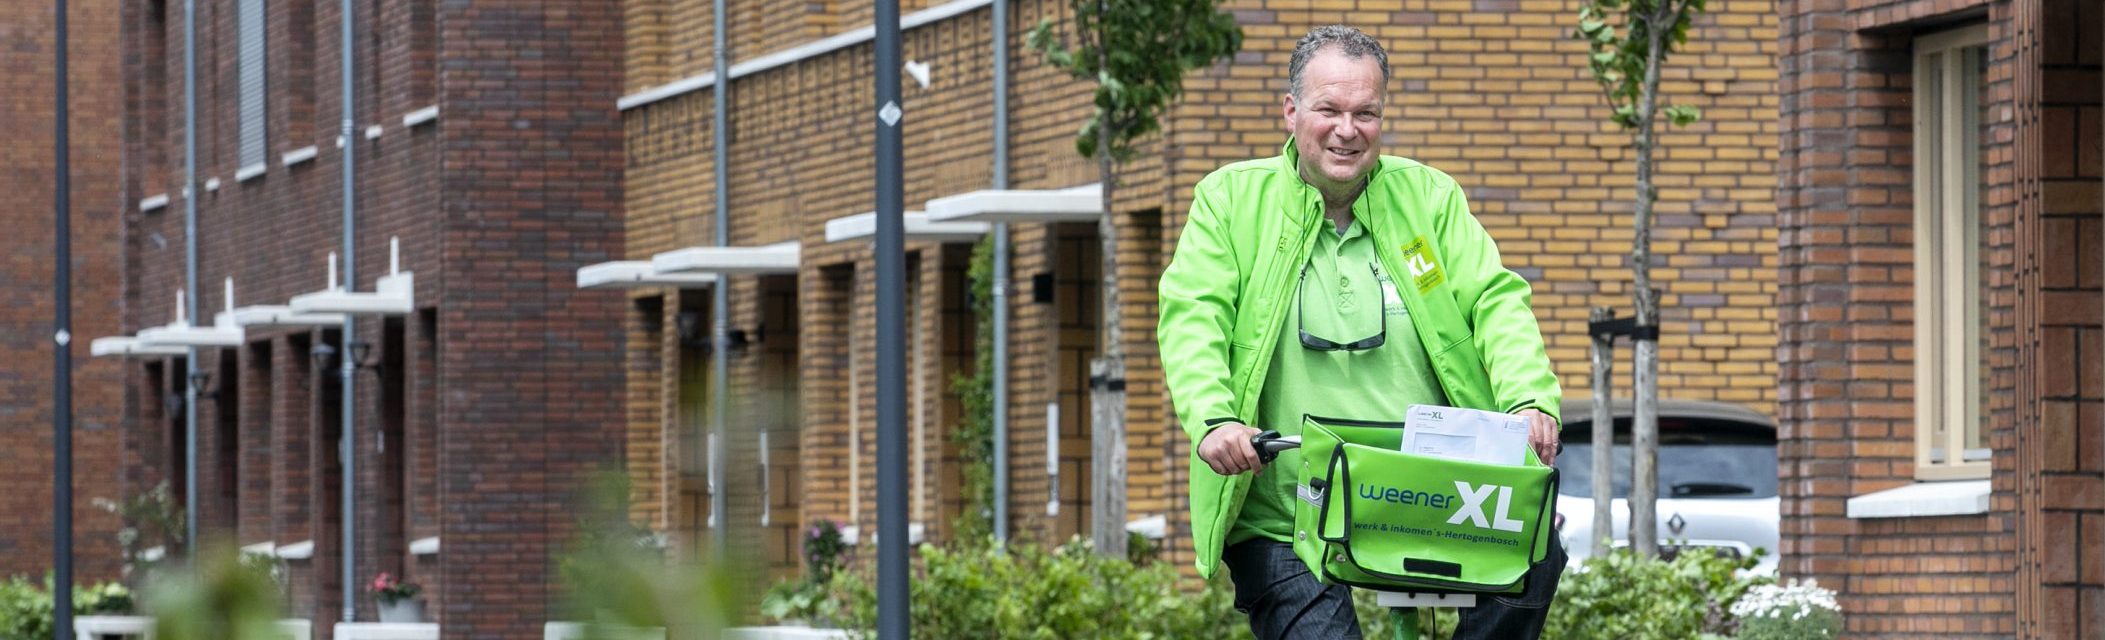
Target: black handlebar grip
[1269, 444]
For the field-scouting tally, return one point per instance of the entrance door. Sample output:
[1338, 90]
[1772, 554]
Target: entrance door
[691, 421]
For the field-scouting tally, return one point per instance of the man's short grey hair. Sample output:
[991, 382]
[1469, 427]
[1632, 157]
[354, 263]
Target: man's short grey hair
[1349, 41]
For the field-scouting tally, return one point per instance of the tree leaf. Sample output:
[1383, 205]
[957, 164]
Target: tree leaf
[1683, 115]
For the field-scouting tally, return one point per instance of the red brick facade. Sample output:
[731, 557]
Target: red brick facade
[485, 407]
[2029, 565]
[26, 389]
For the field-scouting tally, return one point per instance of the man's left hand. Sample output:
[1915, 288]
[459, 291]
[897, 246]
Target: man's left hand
[1542, 434]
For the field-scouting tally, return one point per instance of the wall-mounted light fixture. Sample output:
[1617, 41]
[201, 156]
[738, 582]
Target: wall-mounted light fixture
[360, 350]
[201, 381]
[323, 355]
[690, 330]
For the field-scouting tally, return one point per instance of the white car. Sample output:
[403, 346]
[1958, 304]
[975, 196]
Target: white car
[1717, 480]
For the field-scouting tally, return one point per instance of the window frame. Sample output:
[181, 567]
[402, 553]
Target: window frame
[1947, 234]
[252, 82]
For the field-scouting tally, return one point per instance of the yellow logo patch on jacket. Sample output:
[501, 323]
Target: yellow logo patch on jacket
[1425, 267]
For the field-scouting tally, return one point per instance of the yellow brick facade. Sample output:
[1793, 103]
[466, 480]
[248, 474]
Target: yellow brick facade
[1497, 97]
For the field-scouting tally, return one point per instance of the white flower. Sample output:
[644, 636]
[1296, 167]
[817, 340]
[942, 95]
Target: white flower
[1772, 601]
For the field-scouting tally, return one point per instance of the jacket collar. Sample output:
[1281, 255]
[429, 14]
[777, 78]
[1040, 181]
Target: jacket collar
[1290, 164]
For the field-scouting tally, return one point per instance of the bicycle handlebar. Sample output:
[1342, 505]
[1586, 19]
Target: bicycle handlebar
[1269, 444]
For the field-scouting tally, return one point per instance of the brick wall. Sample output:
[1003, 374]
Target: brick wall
[1498, 98]
[532, 191]
[1502, 101]
[525, 189]
[26, 360]
[1847, 335]
[2069, 564]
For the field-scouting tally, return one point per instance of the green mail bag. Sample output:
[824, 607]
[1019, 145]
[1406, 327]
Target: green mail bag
[1374, 517]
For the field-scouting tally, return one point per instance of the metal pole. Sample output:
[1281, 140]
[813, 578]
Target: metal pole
[720, 303]
[1001, 274]
[892, 594]
[347, 447]
[62, 363]
[189, 193]
[1603, 356]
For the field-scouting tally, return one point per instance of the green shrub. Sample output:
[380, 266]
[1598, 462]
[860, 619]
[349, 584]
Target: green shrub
[224, 595]
[986, 591]
[616, 574]
[825, 552]
[26, 607]
[1624, 596]
[980, 591]
[973, 435]
[152, 519]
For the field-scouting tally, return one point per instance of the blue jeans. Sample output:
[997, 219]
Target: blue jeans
[1284, 600]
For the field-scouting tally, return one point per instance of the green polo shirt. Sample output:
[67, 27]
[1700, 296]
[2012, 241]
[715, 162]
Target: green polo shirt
[1343, 302]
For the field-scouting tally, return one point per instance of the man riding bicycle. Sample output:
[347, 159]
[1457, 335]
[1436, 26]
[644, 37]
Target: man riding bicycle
[1332, 280]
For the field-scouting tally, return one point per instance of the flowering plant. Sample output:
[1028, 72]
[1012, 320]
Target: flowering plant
[388, 590]
[824, 550]
[1794, 610]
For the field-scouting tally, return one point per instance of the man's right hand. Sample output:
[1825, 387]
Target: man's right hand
[1228, 450]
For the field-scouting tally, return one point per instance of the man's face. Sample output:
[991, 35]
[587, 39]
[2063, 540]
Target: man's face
[1337, 120]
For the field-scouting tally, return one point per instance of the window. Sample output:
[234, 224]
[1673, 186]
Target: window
[250, 28]
[1950, 368]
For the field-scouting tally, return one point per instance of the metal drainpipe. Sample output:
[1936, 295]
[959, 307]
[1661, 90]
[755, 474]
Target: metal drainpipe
[720, 306]
[347, 447]
[1001, 274]
[62, 348]
[189, 195]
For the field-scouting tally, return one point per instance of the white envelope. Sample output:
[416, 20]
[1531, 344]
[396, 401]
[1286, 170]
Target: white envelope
[1465, 434]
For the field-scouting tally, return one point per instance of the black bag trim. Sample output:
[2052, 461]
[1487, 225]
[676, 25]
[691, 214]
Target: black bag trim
[1435, 567]
[1351, 422]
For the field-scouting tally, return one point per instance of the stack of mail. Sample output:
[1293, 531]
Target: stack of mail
[1465, 434]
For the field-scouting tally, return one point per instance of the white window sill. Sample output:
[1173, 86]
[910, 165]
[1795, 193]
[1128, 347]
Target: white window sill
[296, 156]
[420, 116]
[302, 550]
[1924, 499]
[250, 172]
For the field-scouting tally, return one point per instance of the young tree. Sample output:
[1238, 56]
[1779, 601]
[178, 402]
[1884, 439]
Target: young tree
[1136, 51]
[1625, 61]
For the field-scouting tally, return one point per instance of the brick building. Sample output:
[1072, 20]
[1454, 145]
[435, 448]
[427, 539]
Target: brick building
[1495, 93]
[96, 110]
[488, 142]
[1940, 313]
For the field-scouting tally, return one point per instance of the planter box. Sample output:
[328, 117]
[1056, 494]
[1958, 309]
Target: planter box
[387, 631]
[784, 633]
[96, 627]
[576, 631]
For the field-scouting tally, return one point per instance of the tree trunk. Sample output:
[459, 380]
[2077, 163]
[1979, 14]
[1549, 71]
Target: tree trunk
[1603, 438]
[1107, 380]
[1644, 423]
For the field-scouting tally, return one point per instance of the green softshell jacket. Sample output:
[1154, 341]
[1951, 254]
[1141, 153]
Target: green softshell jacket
[1226, 292]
